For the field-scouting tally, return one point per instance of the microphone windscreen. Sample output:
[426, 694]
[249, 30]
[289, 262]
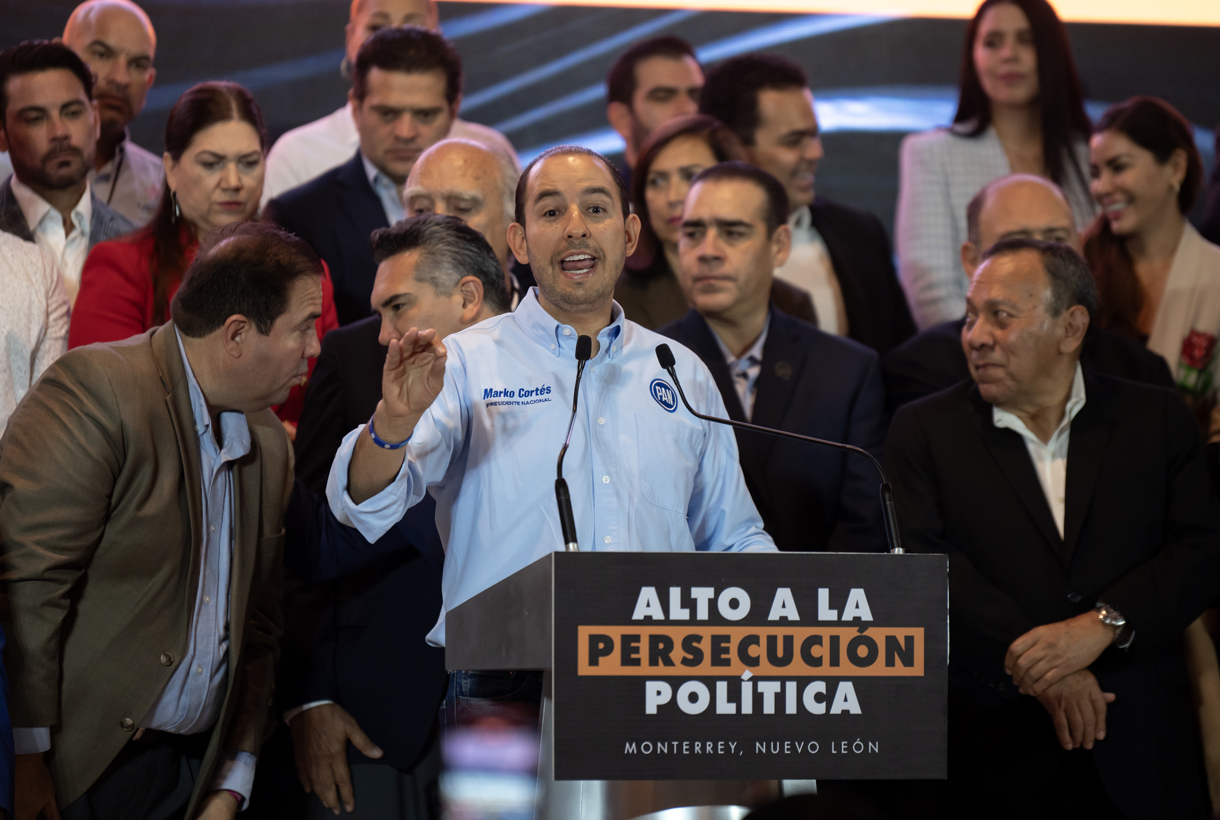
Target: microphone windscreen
[584, 348]
[665, 356]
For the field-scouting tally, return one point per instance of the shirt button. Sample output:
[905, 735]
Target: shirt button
[605, 479]
[552, 347]
[167, 659]
[607, 539]
[1074, 597]
[198, 670]
[212, 528]
[567, 331]
[601, 421]
[207, 599]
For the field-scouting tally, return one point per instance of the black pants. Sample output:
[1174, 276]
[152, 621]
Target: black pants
[150, 779]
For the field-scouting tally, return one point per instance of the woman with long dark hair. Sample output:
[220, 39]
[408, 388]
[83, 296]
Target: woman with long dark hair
[215, 147]
[669, 159]
[1020, 110]
[1158, 279]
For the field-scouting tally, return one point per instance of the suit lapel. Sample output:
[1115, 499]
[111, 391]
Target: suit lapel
[1086, 450]
[1011, 456]
[698, 337]
[12, 219]
[361, 201]
[178, 403]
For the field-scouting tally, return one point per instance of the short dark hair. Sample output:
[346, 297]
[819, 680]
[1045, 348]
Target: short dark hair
[730, 90]
[776, 211]
[33, 56]
[563, 150]
[245, 268]
[1071, 281]
[449, 250]
[410, 50]
[622, 82]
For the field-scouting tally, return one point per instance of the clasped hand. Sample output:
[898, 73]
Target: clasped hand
[1047, 654]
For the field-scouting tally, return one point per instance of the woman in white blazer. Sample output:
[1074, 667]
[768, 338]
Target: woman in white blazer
[1158, 279]
[1020, 110]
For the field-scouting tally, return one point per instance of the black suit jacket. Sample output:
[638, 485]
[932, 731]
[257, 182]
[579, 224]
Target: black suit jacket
[336, 213]
[360, 640]
[933, 360]
[876, 307]
[811, 498]
[1142, 533]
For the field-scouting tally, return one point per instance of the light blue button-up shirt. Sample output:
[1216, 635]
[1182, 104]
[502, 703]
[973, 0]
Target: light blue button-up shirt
[644, 474]
[387, 192]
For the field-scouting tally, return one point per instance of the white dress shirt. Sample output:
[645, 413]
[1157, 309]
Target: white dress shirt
[1050, 458]
[67, 248]
[745, 368]
[644, 474]
[809, 268]
[33, 318]
[314, 148]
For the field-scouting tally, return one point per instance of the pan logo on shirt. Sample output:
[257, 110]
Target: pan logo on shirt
[516, 396]
[664, 394]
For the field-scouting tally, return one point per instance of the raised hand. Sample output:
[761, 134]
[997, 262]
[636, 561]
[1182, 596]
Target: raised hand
[412, 378]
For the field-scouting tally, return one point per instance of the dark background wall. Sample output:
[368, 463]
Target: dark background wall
[536, 71]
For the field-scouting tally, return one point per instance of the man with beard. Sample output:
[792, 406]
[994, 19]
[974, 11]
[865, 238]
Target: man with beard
[116, 40]
[474, 420]
[49, 126]
[841, 256]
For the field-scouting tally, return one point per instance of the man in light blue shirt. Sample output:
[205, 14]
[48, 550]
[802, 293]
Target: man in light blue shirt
[484, 414]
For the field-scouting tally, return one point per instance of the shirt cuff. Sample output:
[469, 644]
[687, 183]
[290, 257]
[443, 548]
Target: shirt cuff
[235, 773]
[305, 707]
[375, 516]
[32, 741]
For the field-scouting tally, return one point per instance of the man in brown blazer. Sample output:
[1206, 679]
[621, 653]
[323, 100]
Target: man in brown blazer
[142, 491]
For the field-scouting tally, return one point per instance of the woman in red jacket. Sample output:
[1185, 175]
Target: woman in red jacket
[215, 146]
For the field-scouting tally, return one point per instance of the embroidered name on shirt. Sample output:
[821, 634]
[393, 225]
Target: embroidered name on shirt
[516, 396]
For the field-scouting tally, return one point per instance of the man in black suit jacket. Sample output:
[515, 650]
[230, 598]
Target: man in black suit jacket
[1011, 206]
[357, 643]
[839, 254]
[406, 89]
[778, 371]
[1083, 537]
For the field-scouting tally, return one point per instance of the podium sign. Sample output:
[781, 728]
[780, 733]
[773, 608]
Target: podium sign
[707, 666]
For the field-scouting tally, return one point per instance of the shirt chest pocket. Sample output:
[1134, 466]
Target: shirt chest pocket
[668, 452]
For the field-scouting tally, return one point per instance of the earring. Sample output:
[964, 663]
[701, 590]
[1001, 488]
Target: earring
[345, 69]
[1177, 186]
[177, 211]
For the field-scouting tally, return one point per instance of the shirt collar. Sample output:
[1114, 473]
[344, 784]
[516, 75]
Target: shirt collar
[374, 173]
[234, 429]
[754, 351]
[36, 209]
[1003, 418]
[801, 219]
[559, 338]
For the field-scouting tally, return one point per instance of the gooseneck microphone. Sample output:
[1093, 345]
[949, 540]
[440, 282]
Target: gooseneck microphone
[567, 522]
[665, 357]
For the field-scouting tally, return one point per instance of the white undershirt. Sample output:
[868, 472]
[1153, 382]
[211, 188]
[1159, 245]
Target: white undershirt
[1050, 457]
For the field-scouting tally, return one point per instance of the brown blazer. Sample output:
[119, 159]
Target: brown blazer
[100, 524]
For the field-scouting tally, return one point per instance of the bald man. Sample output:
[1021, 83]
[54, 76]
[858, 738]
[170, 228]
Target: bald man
[476, 183]
[314, 148]
[117, 41]
[1017, 205]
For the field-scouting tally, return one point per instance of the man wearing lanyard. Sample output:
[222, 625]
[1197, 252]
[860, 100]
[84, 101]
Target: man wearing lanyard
[479, 420]
[116, 40]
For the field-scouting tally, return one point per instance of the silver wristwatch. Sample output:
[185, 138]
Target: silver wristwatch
[1123, 634]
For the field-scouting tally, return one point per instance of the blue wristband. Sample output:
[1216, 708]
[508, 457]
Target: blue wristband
[385, 445]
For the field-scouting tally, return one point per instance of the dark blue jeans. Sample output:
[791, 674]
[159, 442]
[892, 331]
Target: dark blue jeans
[515, 695]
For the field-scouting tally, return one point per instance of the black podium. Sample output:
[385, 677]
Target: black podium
[704, 679]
